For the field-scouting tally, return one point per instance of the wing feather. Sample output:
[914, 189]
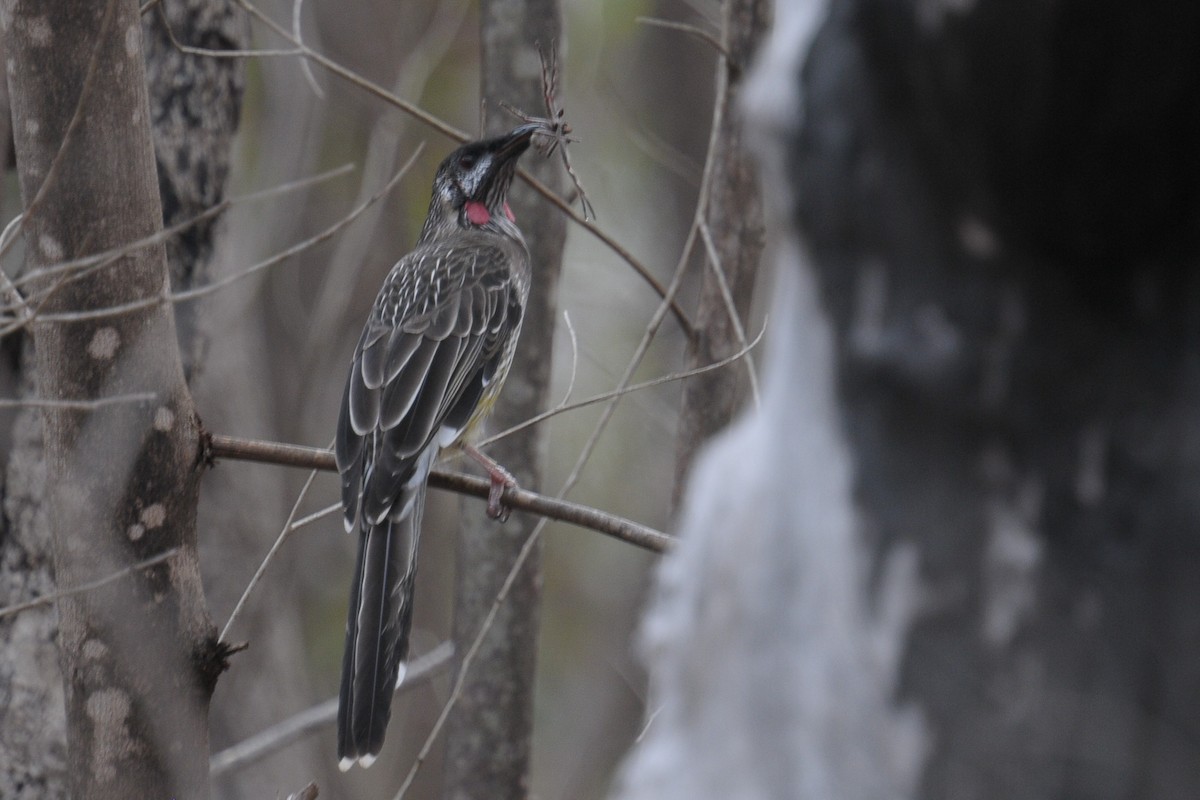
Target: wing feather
[432, 343]
[401, 391]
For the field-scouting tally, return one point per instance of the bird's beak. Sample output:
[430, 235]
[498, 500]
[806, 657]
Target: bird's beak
[512, 144]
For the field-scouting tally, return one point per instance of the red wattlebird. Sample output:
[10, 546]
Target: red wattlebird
[430, 363]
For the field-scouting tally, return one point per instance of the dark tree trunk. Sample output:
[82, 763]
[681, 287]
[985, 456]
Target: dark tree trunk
[489, 732]
[195, 103]
[1002, 202]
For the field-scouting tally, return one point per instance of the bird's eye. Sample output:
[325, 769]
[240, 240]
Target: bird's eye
[466, 161]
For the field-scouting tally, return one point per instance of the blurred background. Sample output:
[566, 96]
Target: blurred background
[639, 100]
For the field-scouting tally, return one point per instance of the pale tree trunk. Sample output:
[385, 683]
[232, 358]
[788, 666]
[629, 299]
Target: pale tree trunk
[734, 219]
[121, 478]
[489, 732]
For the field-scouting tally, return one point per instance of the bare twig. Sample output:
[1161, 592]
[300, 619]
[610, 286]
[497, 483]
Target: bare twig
[108, 256]
[305, 67]
[637, 387]
[554, 126]
[309, 792]
[282, 734]
[209, 53]
[87, 587]
[520, 499]
[78, 405]
[468, 657]
[202, 291]
[574, 364]
[668, 300]
[262, 567]
[714, 261]
[691, 30]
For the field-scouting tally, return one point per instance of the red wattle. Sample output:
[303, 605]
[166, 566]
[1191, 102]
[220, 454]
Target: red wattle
[477, 212]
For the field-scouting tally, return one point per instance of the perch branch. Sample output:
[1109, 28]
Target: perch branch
[290, 455]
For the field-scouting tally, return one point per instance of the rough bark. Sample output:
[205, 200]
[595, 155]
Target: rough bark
[735, 219]
[489, 732]
[122, 478]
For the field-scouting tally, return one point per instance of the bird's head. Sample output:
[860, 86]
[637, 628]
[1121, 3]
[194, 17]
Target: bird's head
[471, 185]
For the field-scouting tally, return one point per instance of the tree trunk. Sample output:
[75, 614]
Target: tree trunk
[735, 219]
[121, 477]
[1001, 200]
[489, 732]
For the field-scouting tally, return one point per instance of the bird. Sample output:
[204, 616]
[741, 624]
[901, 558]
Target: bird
[433, 355]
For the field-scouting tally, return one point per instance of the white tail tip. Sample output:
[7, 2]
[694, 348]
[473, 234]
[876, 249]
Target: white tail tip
[363, 761]
[400, 673]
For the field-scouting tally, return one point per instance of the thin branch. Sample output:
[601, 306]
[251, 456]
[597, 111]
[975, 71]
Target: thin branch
[262, 567]
[691, 30]
[305, 67]
[205, 52]
[309, 792]
[108, 256]
[87, 587]
[79, 405]
[637, 387]
[554, 126]
[521, 499]
[612, 244]
[468, 657]
[574, 364]
[283, 733]
[668, 297]
[714, 261]
[202, 291]
[87, 265]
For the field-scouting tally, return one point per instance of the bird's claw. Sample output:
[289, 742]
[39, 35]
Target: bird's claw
[501, 479]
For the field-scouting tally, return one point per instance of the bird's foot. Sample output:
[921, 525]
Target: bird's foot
[501, 480]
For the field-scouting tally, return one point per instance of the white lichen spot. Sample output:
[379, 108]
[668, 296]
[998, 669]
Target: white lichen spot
[108, 709]
[136, 531]
[133, 45]
[154, 516]
[164, 419]
[39, 31]
[94, 650]
[104, 344]
[1011, 563]
[977, 238]
[50, 247]
[868, 326]
[32, 126]
[931, 14]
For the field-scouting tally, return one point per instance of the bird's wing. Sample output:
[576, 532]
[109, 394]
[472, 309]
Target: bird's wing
[431, 344]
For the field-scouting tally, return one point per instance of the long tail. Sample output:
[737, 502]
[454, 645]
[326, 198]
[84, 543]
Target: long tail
[381, 601]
